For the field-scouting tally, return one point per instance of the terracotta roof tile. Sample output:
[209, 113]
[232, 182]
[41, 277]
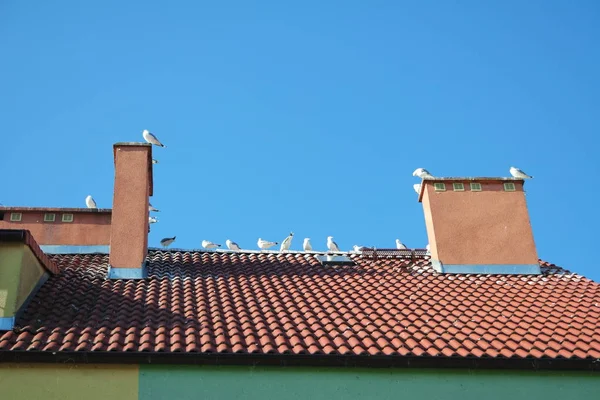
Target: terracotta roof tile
[290, 304]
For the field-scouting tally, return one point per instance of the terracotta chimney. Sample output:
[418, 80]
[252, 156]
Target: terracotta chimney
[129, 227]
[479, 225]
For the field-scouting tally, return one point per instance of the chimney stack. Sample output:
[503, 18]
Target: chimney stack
[478, 225]
[129, 227]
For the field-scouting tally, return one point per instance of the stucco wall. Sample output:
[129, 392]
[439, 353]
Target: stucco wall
[146, 382]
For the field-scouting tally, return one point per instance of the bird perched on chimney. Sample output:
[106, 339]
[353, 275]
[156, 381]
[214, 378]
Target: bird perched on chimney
[417, 187]
[331, 245]
[287, 242]
[265, 244]
[152, 220]
[232, 245]
[207, 244]
[150, 208]
[517, 173]
[166, 242]
[90, 203]
[422, 173]
[306, 245]
[150, 138]
[154, 161]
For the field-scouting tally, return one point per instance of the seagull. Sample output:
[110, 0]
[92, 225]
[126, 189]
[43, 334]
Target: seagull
[154, 161]
[417, 187]
[90, 203]
[152, 220]
[151, 208]
[359, 249]
[232, 245]
[400, 245]
[207, 244]
[331, 245]
[265, 244]
[306, 245]
[287, 242]
[150, 138]
[422, 173]
[517, 173]
[428, 249]
[166, 242]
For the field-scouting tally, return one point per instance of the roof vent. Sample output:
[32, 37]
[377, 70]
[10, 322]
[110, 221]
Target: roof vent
[331, 259]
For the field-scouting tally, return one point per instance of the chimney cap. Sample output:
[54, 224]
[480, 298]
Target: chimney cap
[467, 178]
[138, 144]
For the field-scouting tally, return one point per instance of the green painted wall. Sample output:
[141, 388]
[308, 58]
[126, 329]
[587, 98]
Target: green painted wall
[11, 255]
[68, 381]
[203, 382]
[20, 271]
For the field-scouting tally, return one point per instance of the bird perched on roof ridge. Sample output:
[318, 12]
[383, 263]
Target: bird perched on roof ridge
[265, 244]
[150, 138]
[306, 246]
[422, 173]
[331, 245]
[166, 242]
[207, 244]
[151, 208]
[359, 249]
[517, 173]
[428, 249]
[287, 242]
[90, 202]
[400, 245]
[152, 220]
[232, 245]
[417, 187]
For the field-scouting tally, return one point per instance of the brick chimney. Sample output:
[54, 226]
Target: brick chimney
[479, 225]
[129, 228]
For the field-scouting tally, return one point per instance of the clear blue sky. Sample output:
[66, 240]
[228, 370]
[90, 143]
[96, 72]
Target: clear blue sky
[306, 116]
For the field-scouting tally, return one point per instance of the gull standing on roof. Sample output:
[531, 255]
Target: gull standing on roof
[331, 245]
[359, 249]
[90, 203]
[517, 173]
[151, 208]
[152, 220]
[265, 244]
[306, 245]
[400, 245]
[232, 245]
[428, 249]
[422, 173]
[166, 242]
[287, 242]
[207, 244]
[150, 138]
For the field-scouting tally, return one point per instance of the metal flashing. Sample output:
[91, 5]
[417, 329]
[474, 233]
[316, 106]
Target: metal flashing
[128, 273]
[492, 269]
[63, 249]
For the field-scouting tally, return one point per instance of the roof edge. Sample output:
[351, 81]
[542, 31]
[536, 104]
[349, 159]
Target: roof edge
[306, 360]
[59, 209]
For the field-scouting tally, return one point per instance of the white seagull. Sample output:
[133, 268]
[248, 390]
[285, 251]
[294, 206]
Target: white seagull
[359, 249]
[150, 138]
[517, 173]
[166, 242]
[207, 244]
[306, 245]
[428, 248]
[265, 244]
[154, 161]
[287, 242]
[151, 208]
[232, 245]
[331, 245]
[400, 245]
[152, 220]
[90, 203]
[422, 173]
[417, 187]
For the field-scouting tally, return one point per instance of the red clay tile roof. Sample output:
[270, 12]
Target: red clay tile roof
[210, 302]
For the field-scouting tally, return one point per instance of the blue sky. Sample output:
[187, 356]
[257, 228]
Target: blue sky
[306, 116]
